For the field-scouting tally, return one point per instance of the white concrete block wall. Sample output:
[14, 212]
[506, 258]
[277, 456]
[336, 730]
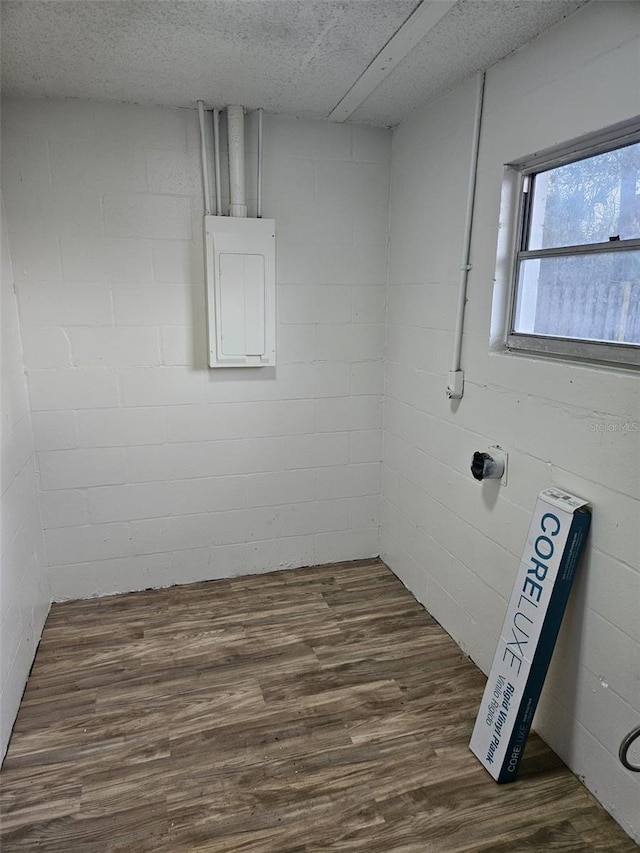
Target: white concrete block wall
[454, 542]
[24, 588]
[154, 469]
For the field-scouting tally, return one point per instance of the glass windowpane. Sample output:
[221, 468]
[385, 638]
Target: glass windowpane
[592, 297]
[588, 201]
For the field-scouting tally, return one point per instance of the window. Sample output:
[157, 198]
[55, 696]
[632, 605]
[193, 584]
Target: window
[576, 288]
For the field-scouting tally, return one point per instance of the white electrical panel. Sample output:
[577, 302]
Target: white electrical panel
[241, 291]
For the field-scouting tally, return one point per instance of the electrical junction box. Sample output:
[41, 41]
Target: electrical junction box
[555, 541]
[241, 291]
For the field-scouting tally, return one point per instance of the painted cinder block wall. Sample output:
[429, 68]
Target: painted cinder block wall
[154, 469]
[24, 589]
[454, 542]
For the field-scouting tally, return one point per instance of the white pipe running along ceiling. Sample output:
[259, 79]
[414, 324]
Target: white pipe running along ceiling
[292, 57]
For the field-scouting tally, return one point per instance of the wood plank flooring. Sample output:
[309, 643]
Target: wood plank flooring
[303, 711]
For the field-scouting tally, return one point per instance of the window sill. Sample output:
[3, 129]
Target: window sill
[591, 352]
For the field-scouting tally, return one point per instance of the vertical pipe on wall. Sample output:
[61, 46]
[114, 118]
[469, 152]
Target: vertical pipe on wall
[216, 155]
[235, 133]
[259, 206]
[455, 387]
[203, 155]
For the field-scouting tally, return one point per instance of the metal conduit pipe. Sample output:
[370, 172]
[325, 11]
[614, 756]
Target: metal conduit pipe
[203, 155]
[216, 156]
[259, 205]
[456, 378]
[235, 133]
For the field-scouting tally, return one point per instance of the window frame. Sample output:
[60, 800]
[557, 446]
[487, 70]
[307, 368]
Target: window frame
[604, 352]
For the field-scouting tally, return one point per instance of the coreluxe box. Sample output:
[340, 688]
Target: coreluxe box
[555, 541]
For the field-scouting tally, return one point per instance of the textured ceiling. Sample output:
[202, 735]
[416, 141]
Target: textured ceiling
[474, 35]
[297, 57]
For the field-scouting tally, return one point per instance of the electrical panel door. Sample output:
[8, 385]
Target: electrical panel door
[240, 275]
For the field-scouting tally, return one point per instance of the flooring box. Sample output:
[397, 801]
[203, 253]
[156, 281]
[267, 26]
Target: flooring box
[555, 541]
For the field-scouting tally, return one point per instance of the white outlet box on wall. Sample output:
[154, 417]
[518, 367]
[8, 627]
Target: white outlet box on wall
[241, 291]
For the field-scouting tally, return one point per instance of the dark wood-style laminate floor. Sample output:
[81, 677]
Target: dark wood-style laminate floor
[302, 711]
